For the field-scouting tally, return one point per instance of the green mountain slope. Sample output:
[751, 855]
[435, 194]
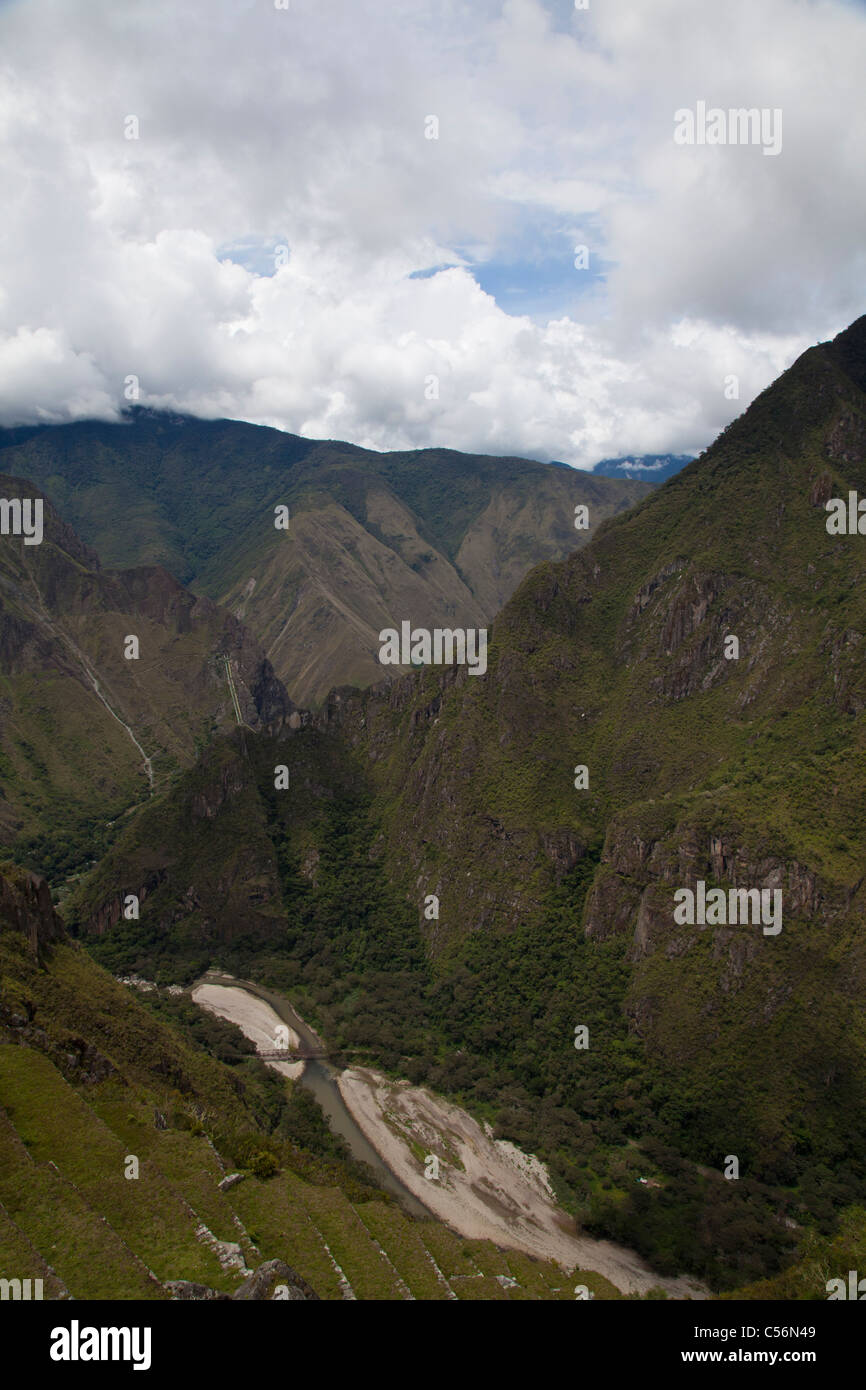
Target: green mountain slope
[433, 536]
[742, 773]
[615, 659]
[85, 731]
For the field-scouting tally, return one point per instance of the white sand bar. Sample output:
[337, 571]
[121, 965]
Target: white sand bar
[487, 1189]
[256, 1019]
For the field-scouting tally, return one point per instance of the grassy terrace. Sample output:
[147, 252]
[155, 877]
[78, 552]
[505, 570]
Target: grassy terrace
[65, 1203]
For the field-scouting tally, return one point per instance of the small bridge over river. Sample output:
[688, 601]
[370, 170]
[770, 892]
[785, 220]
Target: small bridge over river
[287, 1054]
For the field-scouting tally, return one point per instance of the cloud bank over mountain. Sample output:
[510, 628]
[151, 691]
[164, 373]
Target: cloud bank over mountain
[284, 243]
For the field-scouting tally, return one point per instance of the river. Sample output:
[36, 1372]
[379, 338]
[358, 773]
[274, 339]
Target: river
[493, 1191]
[319, 1077]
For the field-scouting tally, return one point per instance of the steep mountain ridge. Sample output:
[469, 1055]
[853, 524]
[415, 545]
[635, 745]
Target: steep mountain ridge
[744, 772]
[432, 535]
[85, 730]
[617, 655]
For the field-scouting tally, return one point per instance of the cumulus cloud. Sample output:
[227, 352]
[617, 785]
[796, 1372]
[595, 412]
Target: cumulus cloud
[256, 251]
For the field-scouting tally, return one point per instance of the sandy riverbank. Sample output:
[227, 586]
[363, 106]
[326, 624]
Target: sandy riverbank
[255, 1018]
[487, 1189]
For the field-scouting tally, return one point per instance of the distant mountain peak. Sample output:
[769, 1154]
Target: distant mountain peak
[648, 468]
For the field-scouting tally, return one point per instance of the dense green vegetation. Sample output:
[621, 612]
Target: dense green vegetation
[821, 1259]
[496, 1032]
[349, 947]
[72, 841]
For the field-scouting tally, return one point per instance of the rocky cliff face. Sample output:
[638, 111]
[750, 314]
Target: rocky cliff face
[26, 907]
[26, 911]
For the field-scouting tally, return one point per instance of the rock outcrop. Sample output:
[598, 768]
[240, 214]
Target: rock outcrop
[272, 1281]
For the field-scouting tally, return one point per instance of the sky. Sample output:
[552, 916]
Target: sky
[362, 219]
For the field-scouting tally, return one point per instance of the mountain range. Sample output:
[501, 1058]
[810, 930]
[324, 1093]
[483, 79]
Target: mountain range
[87, 732]
[432, 536]
[455, 877]
[647, 468]
[620, 749]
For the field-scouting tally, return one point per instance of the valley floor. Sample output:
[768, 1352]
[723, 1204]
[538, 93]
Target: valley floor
[486, 1189]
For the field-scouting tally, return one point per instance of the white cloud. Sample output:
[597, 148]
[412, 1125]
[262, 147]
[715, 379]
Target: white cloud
[306, 127]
